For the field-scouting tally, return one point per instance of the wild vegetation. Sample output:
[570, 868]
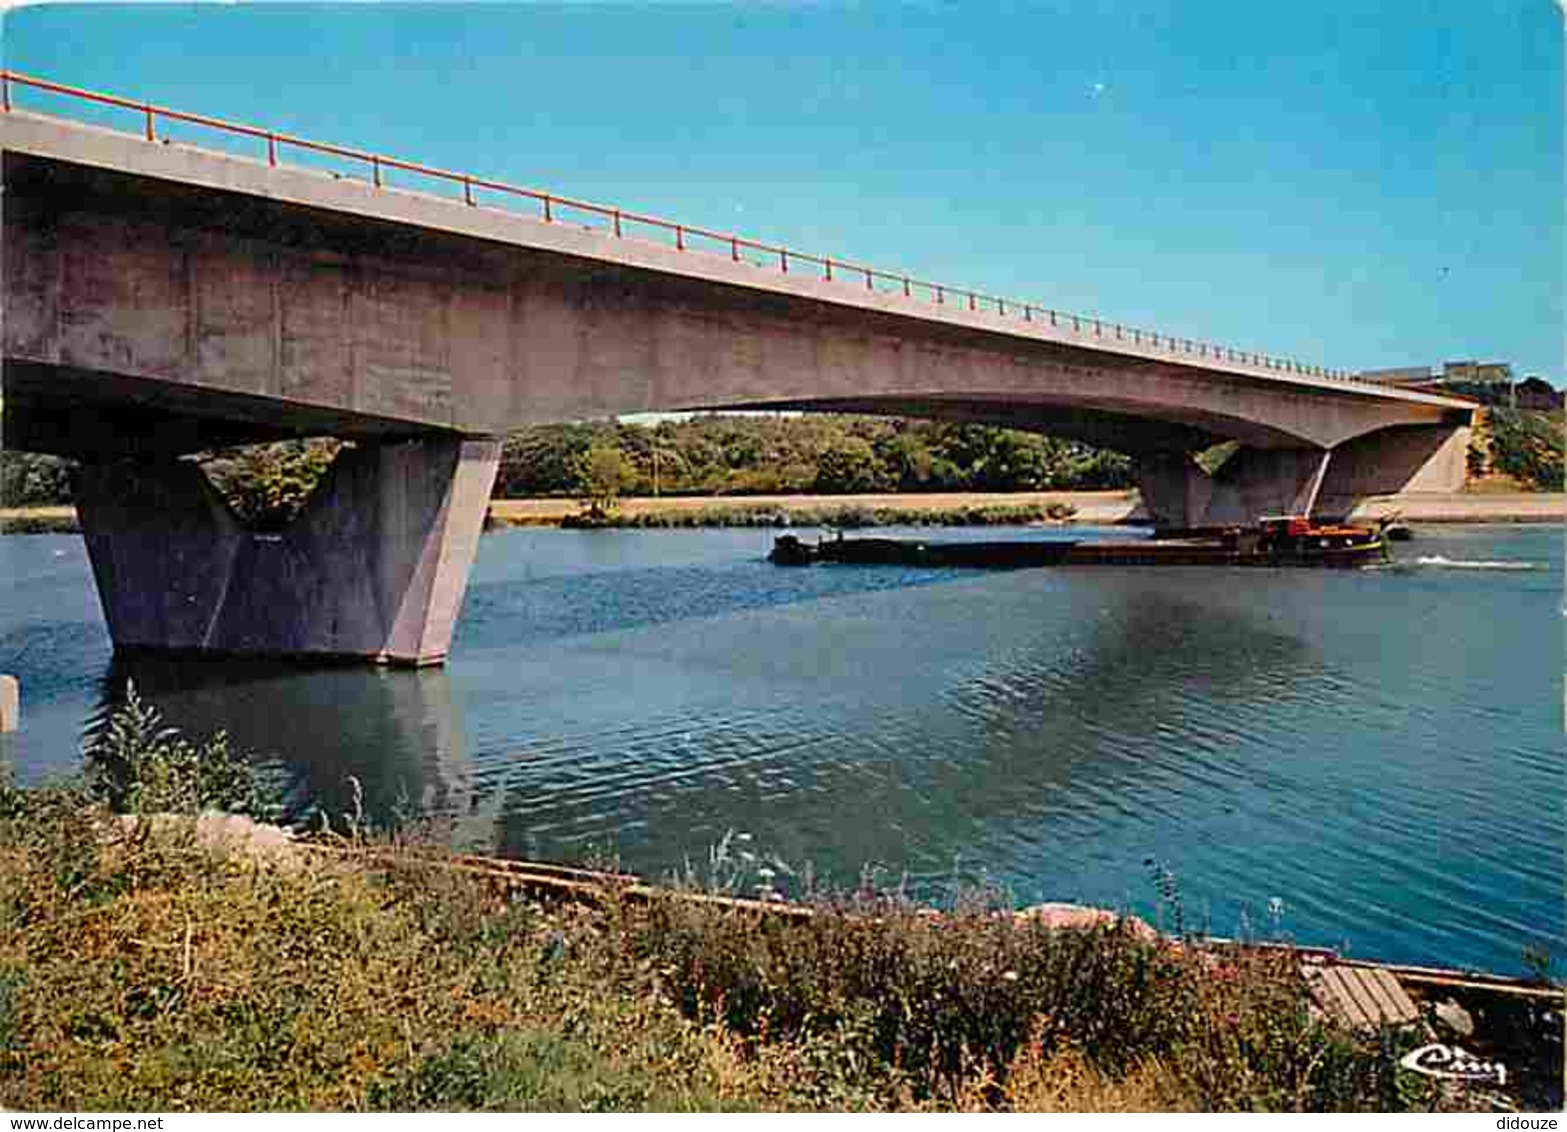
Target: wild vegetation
[51, 520]
[268, 484]
[145, 966]
[1526, 445]
[817, 454]
[845, 517]
[602, 474]
[28, 479]
[598, 462]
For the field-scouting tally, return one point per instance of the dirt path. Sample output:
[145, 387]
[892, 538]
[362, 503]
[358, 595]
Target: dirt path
[1091, 507]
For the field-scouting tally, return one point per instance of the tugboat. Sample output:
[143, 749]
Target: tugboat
[1294, 540]
[1276, 540]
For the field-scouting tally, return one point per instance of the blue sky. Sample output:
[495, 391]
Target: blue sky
[1360, 184]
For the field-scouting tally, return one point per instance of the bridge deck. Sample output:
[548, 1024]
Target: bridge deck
[487, 210]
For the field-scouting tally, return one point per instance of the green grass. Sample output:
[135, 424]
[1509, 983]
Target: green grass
[848, 517]
[145, 970]
[142, 967]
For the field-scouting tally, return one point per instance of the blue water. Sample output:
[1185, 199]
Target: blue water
[1379, 751]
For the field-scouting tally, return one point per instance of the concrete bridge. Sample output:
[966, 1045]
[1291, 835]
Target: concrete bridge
[163, 297]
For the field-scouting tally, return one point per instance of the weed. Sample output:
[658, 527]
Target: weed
[1169, 890]
[1541, 964]
[839, 516]
[137, 764]
[142, 969]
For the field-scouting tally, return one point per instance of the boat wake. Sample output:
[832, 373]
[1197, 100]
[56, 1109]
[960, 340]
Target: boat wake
[1443, 562]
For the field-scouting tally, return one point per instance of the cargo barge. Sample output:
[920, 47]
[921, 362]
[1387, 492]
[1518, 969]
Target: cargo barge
[1276, 540]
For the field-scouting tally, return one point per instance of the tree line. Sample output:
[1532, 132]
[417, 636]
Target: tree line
[758, 455]
[598, 461]
[786, 455]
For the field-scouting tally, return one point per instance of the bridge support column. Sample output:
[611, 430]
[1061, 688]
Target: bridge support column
[1401, 460]
[1253, 481]
[374, 566]
[1328, 483]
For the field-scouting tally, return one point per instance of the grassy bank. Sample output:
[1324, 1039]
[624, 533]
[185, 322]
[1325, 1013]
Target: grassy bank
[848, 511]
[59, 520]
[149, 964]
[845, 517]
[143, 969]
[1487, 502]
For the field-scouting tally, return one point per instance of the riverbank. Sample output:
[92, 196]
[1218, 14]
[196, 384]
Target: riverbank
[155, 966]
[1468, 507]
[171, 963]
[944, 509]
[1106, 508]
[38, 521]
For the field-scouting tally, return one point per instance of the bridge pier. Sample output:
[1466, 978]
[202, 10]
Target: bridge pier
[1253, 481]
[1402, 460]
[1327, 482]
[373, 567]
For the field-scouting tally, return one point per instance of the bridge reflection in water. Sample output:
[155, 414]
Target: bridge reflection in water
[398, 732]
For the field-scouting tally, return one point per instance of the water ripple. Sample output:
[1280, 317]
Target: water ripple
[1380, 750]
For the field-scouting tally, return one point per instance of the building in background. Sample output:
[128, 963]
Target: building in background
[1490, 383]
[1451, 373]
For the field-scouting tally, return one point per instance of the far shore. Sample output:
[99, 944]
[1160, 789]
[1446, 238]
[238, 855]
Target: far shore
[1020, 506]
[1087, 507]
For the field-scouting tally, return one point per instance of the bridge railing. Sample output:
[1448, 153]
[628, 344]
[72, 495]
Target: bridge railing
[155, 122]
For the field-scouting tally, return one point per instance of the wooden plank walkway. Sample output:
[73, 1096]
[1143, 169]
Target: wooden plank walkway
[1364, 997]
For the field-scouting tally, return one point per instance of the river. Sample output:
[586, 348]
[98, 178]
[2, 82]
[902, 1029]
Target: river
[1368, 759]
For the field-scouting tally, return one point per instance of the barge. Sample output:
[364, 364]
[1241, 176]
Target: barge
[1276, 540]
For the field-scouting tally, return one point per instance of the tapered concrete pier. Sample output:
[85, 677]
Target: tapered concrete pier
[1324, 481]
[373, 568]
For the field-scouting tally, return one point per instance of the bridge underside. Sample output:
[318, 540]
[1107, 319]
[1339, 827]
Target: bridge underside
[376, 565]
[160, 301]
[1268, 472]
[93, 415]
[96, 417]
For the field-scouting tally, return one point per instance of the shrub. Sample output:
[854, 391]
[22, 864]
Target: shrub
[1529, 446]
[28, 479]
[267, 485]
[940, 1009]
[848, 467]
[141, 969]
[137, 765]
[602, 474]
